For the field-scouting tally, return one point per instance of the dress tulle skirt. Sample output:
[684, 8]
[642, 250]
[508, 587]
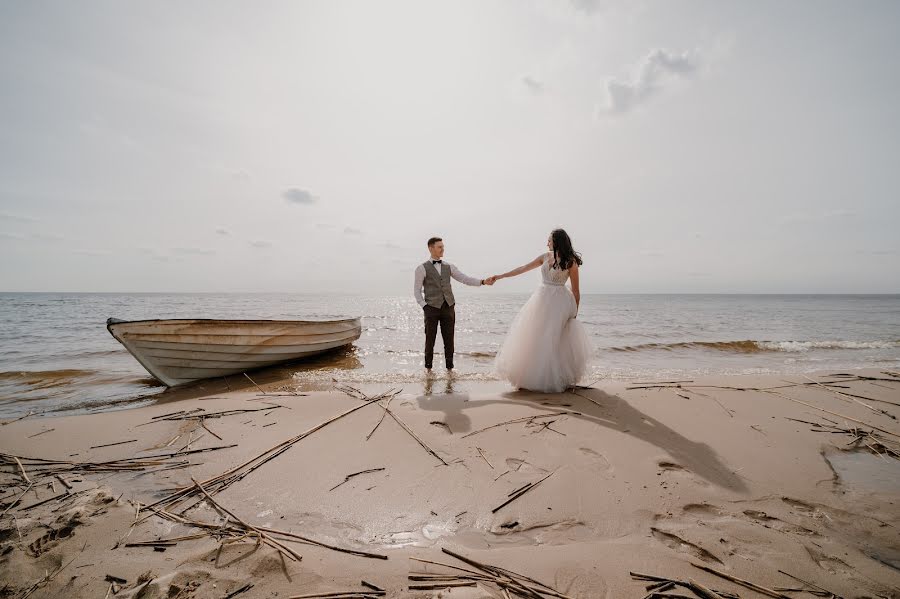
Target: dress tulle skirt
[546, 349]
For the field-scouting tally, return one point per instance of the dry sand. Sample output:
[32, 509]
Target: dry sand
[646, 480]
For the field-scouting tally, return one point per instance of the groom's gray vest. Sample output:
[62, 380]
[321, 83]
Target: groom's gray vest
[437, 286]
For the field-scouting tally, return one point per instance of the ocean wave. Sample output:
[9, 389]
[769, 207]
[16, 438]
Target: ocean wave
[749, 346]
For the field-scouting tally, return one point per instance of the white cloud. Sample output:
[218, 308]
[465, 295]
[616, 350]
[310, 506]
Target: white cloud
[193, 251]
[223, 231]
[17, 218]
[657, 70]
[352, 231]
[812, 218]
[299, 196]
[586, 6]
[533, 85]
[261, 243]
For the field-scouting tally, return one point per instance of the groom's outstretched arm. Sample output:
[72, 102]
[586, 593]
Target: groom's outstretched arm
[463, 278]
[418, 279]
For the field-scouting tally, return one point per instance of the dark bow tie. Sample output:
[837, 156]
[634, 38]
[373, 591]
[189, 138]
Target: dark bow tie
[437, 261]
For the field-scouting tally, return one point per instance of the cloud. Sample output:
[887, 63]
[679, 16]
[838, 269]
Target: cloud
[588, 7]
[299, 196]
[391, 246]
[533, 85]
[352, 231]
[810, 218]
[651, 253]
[5, 235]
[193, 251]
[657, 70]
[223, 231]
[261, 243]
[17, 218]
[91, 252]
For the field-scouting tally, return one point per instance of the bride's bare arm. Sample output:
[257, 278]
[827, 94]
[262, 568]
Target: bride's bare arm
[524, 268]
[576, 291]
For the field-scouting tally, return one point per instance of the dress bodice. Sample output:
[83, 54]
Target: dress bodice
[552, 276]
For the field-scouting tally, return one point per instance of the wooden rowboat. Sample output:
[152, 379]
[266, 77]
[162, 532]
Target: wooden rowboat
[180, 351]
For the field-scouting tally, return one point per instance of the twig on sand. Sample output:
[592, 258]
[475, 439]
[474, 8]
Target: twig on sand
[225, 479]
[853, 398]
[522, 419]
[380, 420]
[521, 491]
[254, 383]
[353, 392]
[49, 430]
[111, 444]
[349, 476]
[481, 453]
[506, 580]
[824, 592]
[17, 419]
[742, 582]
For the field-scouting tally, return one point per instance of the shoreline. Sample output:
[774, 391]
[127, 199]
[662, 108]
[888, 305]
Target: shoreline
[645, 480]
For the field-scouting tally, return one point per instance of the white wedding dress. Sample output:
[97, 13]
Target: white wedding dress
[546, 348]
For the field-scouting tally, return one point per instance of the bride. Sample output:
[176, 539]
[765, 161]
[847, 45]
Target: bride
[547, 349]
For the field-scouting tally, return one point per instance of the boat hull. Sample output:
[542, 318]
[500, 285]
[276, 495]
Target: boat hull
[182, 351]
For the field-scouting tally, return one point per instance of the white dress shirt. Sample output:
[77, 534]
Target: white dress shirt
[454, 272]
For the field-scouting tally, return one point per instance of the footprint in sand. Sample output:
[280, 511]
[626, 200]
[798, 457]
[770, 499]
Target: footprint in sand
[597, 460]
[705, 510]
[673, 468]
[778, 524]
[681, 546]
[49, 540]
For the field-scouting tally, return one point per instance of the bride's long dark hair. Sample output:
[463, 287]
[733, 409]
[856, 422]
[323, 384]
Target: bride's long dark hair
[564, 255]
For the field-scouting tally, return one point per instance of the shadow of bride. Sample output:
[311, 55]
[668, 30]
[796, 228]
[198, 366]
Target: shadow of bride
[609, 411]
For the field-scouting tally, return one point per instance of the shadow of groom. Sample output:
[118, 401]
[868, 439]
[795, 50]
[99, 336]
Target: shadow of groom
[609, 411]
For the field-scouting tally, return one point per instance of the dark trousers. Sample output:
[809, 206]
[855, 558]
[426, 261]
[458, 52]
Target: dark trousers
[446, 317]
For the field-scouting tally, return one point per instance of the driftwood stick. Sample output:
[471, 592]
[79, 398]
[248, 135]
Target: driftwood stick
[809, 405]
[349, 476]
[413, 435]
[203, 424]
[254, 383]
[22, 469]
[266, 538]
[116, 443]
[811, 584]
[841, 393]
[522, 419]
[380, 420]
[481, 453]
[521, 492]
[742, 582]
[17, 419]
[702, 590]
[238, 472]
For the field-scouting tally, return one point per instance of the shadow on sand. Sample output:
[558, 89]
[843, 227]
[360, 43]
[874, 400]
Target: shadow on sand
[613, 413]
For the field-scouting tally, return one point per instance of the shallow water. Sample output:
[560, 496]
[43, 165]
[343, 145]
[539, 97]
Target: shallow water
[866, 471]
[56, 355]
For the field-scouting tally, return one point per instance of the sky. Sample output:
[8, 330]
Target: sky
[314, 147]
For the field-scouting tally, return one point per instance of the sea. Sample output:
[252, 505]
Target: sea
[56, 355]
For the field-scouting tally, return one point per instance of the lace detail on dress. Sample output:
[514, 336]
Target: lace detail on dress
[552, 276]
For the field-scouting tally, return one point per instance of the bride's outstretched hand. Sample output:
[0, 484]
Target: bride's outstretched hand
[492, 279]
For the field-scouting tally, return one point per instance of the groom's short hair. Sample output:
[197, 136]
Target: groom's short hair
[433, 241]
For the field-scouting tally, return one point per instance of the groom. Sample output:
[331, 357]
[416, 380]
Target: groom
[433, 278]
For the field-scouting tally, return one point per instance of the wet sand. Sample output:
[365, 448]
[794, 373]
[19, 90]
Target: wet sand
[646, 480]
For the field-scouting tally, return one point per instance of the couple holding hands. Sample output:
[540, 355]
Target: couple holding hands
[546, 348]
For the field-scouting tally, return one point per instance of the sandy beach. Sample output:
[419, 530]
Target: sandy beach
[616, 478]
